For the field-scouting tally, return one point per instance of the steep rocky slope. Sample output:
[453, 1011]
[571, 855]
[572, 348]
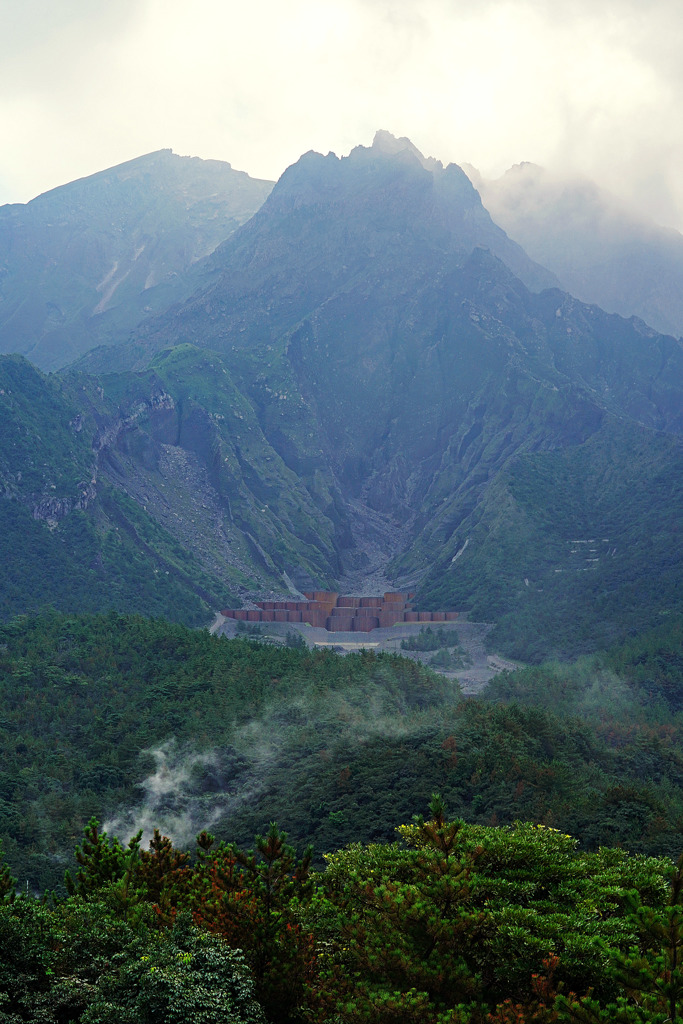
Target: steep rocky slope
[376, 223]
[155, 491]
[70, 535]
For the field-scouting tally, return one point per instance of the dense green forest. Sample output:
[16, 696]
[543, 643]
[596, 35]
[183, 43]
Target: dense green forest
[86, 569]
[572, 549]
[449, 924]
[548, 893]
[145, 723]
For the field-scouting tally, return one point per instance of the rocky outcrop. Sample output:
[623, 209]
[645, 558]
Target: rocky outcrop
[111, 428]
[51, 510]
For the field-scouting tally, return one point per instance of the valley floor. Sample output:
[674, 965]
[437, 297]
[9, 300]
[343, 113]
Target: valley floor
[377, 538]
[470, 635]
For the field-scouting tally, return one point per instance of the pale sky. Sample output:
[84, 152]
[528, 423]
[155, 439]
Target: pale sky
[591, 86]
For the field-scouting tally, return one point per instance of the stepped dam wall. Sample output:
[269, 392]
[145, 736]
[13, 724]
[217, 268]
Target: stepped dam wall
[340, 613]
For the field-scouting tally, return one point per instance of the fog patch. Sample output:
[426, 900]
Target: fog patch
[607, 692]
[172, 798]
[190, 790]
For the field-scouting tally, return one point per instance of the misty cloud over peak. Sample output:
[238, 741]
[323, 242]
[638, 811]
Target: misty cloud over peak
[461, 80]
[602, 250]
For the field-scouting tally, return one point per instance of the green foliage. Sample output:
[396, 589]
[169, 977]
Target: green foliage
[42, 453]
[7, 883]
[649, 974]
[255, 900]
[339, 747]
[105, 864]
[295, 639]
[570, 549]
[454, 924]
[64, 541]
[429, 639]
[81, 962]
[185, 977]
[407, 927]
[26, 930]
[466, 918]
[652, 664]
[644, 677]
[446, 660]
[93, 566]
[53, 958]
[85, 699]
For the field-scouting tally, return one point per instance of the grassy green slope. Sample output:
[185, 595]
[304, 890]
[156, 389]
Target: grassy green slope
[43, 452]
[573, 548]
[91, 564]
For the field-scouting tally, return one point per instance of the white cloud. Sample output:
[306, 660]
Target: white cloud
[595, 87]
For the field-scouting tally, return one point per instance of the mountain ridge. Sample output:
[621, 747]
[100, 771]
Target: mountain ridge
[356, 363]
[601, 250]
[86, 261]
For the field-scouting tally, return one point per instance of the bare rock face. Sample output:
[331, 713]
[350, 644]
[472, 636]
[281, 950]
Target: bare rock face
[53, 509]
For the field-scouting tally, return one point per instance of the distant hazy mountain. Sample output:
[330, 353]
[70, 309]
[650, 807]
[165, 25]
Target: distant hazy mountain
[82, 264]
[523, 450]
[599, 249]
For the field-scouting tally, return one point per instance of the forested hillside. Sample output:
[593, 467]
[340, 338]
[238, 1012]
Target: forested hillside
[147, 724]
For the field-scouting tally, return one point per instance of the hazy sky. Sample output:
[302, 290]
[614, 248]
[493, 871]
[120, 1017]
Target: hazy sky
[592, 85]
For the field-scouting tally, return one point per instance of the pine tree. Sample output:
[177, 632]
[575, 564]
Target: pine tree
[8, 884]
[254, 900]
[650, 975]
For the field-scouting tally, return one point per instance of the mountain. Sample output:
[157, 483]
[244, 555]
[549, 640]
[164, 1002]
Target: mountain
[363, 382]
[84, 263]
[600, 250]
[155, 492]
[331, 228]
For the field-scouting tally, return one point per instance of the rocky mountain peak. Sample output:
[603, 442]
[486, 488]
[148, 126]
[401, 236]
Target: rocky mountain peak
[125, 239]
[386, 143]
[526, 167]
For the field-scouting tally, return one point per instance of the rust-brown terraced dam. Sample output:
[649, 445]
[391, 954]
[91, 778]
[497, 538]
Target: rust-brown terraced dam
[339, 613]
